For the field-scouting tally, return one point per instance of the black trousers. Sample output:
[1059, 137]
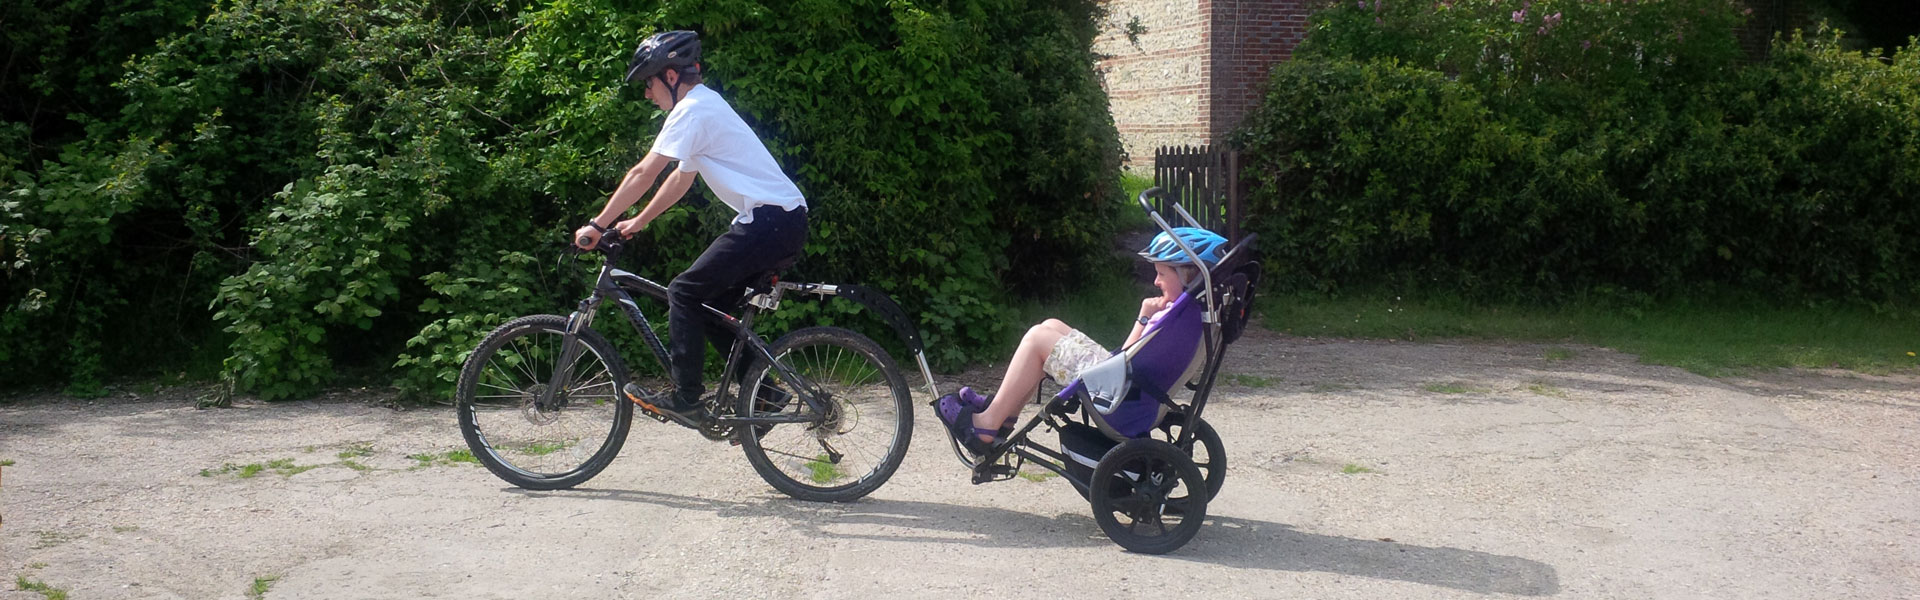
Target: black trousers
[773, 240]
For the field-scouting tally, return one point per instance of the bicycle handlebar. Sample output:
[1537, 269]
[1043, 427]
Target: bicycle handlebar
[611, 241]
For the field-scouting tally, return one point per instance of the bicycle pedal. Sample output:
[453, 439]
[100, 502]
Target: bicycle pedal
[649, 409]
[649, 412]
[994, 472]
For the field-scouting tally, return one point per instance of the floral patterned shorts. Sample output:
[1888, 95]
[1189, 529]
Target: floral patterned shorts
[1071, 355]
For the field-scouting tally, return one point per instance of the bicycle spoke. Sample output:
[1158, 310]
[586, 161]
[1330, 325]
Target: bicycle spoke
[526, 363]
[543, 447]
[840, 368]
[516, 393]
[792, 455]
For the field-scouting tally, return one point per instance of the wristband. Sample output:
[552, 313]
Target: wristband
[1144, 320]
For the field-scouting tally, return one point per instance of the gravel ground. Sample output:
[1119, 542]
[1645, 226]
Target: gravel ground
[1357, 470]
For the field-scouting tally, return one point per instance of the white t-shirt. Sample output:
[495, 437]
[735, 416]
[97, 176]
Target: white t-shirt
[708, 137]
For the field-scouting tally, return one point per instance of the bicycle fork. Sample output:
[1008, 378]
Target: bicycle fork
[570, 347]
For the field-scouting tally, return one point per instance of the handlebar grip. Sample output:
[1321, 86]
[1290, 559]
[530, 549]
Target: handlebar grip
[583, 242]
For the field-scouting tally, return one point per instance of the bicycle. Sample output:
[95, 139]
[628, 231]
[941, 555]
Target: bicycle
[541, 400]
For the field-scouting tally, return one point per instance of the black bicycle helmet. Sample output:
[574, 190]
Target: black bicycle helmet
[675, 50]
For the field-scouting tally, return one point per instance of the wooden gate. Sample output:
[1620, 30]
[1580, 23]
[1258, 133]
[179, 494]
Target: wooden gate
[1204, 181]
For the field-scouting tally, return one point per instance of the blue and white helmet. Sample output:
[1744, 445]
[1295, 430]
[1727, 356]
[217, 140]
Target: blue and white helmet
[1207, 244]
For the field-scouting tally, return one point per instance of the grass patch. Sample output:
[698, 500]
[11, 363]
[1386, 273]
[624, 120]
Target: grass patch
[1354, 469]
[1541, 389]
[822, 471]
[284, 467]
[1038, 476]
[1131, 215]
[260, 586]
[1252, 381]
[1327, 388]
[449, 457]
[46, 591]
[37, 565]
[1707, 338]
[125, 528]
[241, 471]
[49, 539]
[1559, 354]
[1453, 388]
[355, 466]
[356, 451]
[6, 463]
[1104, 308]
[542, 449]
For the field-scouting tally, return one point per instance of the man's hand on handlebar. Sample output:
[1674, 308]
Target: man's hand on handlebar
[587, 237]
[628, 227]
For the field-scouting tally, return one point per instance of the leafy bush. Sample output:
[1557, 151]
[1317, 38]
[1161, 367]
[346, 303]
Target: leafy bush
[1554, 148]
[382, 183]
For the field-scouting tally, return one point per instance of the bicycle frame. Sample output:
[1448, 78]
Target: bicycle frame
[621, 285]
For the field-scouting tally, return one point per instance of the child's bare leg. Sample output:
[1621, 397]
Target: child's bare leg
[1023, 373]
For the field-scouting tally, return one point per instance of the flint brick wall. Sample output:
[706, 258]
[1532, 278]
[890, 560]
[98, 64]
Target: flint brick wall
[1157, 82]
[1196, 70]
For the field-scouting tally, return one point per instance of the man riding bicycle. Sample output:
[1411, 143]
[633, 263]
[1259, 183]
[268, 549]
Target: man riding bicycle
[706, 137]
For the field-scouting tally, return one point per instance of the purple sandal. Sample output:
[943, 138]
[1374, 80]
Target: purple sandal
[956, 411]
[980, 403]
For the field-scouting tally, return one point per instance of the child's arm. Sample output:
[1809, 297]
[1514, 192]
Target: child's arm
[1147, 308]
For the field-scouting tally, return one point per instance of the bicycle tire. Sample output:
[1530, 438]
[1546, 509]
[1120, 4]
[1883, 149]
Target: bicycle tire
[1148, 482]
[874, 396]
[1210, 453]
[494, 424]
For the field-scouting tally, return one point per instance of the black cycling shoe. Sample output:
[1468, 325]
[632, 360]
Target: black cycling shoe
[663, 406]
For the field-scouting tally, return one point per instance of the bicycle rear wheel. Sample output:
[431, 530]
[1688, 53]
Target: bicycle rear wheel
[555, 445]
[850, 451]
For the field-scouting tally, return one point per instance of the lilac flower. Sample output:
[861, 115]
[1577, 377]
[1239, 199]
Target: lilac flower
[1520, 16]
[1586, 44]
[1551, 20]
[1361, 4]
[1543, 31]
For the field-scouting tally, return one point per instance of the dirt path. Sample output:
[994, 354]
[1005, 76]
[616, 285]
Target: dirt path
[1358, 470]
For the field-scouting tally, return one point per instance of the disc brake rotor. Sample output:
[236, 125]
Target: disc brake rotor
[530, 406]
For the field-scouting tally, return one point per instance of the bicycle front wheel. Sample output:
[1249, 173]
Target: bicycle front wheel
[851, 450]
[527, 436]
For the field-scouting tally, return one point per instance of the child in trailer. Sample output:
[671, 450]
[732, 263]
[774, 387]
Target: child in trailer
[1053, 349]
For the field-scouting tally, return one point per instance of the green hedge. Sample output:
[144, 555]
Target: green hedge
[1571, 148]
[381, 183]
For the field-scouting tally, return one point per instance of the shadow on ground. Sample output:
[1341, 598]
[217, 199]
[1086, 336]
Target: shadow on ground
[1225, 541]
